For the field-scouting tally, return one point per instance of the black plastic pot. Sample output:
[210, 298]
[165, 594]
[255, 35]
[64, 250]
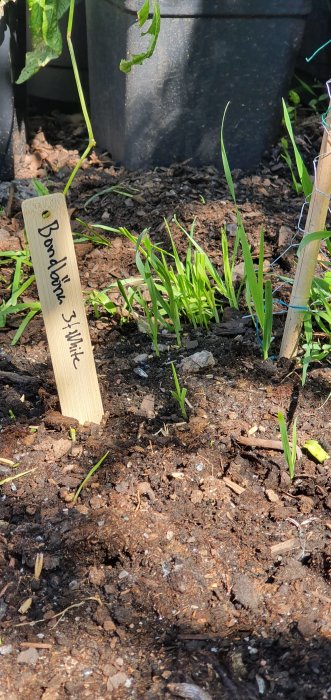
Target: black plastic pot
[209, 52]
[12, 98]
[317, 33]
[7, 105]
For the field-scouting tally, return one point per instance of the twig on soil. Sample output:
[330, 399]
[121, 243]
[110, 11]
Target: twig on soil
[10, 462]
[233, 486]
[302, 534]
[60, 614]
[263, 443]
[36, 645]
[4, 589]
[18, 378]
[286, 546]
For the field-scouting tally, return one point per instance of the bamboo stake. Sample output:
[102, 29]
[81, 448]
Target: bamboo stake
[317, 212]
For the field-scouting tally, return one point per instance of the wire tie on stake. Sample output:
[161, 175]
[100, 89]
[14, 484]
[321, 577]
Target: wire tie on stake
[293, 306]
[310, 58]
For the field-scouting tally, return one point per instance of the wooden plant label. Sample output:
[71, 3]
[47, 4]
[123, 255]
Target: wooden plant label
[54, 261]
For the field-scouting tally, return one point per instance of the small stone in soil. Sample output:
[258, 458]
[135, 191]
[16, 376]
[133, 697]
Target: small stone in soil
[140, 372]
[143, 357]
[6, 649]
[200, 360]
[28, 656]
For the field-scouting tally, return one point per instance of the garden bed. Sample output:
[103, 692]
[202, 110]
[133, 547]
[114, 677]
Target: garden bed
[190, 557]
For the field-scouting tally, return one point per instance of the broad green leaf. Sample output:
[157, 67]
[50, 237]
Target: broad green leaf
[44, 16]
[153, 31]
[143, 13]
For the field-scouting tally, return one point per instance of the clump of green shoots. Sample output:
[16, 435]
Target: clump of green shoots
[16, 289]
[180, 392]
[290, 449]
[171, 291]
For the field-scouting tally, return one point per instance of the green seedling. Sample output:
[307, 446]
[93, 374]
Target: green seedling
[17, 288]
[72, 434]
[11, 414]
[95, 238]
[171, 291]
[88, 477]
[297, 186]
[317, 323]
[222, 285]
[316, 92]
[40, 188]
[180, 393]
[303, 174]
[115, 189]
[258, 292]
[100, 300]
[314, 350]
[290, 450]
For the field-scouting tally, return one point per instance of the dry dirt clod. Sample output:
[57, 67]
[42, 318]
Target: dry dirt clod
[189, 691]
[246, 593]
[28, 656]
[146, 408]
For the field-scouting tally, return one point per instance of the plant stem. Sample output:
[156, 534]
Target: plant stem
[91, 141]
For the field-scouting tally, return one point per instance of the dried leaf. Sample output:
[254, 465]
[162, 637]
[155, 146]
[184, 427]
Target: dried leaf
[23, 609]
[38, 565]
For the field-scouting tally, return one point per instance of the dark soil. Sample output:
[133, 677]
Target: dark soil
[189, 558]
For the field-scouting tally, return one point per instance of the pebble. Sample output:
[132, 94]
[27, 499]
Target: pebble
[6, 649]
[271, 496]
[200, 360]
[140, 372]
[143, 357]
[188, 690]
[28, 656]
[123, 574]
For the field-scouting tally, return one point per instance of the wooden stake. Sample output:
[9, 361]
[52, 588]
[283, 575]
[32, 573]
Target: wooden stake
[317, 212]
[54, 261]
